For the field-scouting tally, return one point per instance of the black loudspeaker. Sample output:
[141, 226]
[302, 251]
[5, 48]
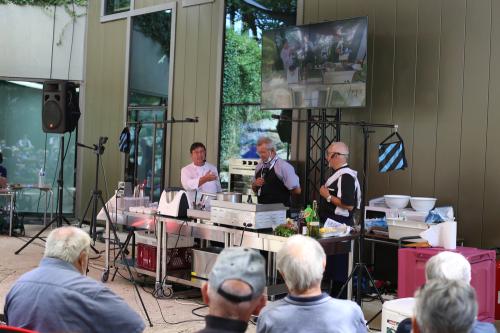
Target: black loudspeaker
[60, 111]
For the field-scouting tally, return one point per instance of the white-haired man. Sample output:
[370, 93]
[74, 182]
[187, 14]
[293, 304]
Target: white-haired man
[235, 290]
[301, 262]
[445, 306]
[275, 179]
[57, 296]
[448, 265]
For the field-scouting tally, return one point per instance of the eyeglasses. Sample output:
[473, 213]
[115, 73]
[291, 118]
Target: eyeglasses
[333, 154]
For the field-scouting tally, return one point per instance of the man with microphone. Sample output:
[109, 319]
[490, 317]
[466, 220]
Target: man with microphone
[275, 179]
[199, 176]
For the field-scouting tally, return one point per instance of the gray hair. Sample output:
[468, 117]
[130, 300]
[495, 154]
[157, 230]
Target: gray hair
[67, 243]
[301, 260]
[445, 306]
[448, 266]
[264, 140]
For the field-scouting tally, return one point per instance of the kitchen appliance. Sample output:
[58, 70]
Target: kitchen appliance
[173, 203]
[241, 172]
[247, 215]
[203, 261]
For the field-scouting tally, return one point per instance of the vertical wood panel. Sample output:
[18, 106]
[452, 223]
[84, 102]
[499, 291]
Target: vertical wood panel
[426, 98]
[311, 8]
[382, 98]
[404, 87]
[177, 150]
[474, 122]
[491, 227]
[213, 114]
[190, 89]
[327, 10]
[203, 74]
[450, 101]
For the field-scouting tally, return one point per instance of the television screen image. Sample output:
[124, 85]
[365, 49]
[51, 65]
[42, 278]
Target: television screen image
[320, 65]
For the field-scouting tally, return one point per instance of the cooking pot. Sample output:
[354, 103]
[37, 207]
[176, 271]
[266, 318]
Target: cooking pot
[234, 197]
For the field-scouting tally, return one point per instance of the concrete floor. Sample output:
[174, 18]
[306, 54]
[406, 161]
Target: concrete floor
[175, 309]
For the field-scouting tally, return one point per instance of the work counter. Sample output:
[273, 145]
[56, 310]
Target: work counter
[168, 228]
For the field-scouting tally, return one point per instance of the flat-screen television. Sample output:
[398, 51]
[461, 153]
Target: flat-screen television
[315, 66]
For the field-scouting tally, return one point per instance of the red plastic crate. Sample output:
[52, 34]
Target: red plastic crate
[497, 293]
[411, 274]
[146, 257]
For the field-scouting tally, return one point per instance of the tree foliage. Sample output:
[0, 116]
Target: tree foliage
[45, 3]
[241, 85]
[271, 14]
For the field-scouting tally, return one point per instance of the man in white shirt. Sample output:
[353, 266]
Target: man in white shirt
[199, 176]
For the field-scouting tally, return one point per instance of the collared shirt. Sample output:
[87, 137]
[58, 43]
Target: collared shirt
[190, 178]
[223, 325]
[284, 171]
[56, 298]
[317, 314]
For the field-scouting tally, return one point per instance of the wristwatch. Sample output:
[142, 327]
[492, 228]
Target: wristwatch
[329, 198]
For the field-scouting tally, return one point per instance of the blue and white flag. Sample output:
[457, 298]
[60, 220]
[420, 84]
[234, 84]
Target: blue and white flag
[391, 155]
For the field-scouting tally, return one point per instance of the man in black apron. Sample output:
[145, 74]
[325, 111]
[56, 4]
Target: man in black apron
[341, 195]
[275, 179]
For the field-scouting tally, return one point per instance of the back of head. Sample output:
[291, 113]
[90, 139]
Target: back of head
[264, 140]
[445, 306]
[448, 266]
[66, 243]
[236, 283]
[302, 262]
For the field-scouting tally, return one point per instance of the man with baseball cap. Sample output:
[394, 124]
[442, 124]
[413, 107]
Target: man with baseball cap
[235, 290]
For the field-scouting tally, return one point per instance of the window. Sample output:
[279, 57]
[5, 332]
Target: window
[148, 89]
[116, 6]
[242, 121]
[26, 148]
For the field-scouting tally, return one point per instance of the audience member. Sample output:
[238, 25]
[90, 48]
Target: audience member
[235, 290]
[448, 265]
[445, 306]
[58, 297]
[301, 262]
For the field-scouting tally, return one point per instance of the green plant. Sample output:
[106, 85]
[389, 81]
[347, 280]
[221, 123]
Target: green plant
[45, 3]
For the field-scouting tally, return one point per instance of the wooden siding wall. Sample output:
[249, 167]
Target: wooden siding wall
[434, 70]
[195, 90]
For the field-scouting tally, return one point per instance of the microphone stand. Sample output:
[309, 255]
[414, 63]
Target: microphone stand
[360, 268]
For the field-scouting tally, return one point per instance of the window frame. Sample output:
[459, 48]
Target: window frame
[168, 127]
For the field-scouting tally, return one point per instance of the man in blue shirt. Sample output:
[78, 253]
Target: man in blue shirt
[58, 297]
[301, 262]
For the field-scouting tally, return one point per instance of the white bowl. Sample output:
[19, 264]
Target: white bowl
[396, 201]
[421, 204]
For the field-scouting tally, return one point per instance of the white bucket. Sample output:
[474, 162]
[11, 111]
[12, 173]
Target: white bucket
[394, 312]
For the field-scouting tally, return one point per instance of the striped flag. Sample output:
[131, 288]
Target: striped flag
[391, 155]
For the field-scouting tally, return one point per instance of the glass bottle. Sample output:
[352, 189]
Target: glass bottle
[314, 223]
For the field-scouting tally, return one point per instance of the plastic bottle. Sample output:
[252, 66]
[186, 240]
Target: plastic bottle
[41, 178]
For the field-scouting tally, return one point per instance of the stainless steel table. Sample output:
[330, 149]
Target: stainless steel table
[237, 237]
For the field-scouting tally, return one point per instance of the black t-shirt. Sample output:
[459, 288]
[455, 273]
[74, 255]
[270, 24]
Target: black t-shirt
[348, 197]
[223, 325]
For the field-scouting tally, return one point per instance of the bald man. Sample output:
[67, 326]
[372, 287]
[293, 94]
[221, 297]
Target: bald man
[342, 195]
[341, 191]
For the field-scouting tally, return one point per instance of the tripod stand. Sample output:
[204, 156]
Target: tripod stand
[360, 267]
[94, 200]
[59, 218]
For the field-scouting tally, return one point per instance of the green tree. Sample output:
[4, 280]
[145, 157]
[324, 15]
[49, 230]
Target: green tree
[241, 85]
